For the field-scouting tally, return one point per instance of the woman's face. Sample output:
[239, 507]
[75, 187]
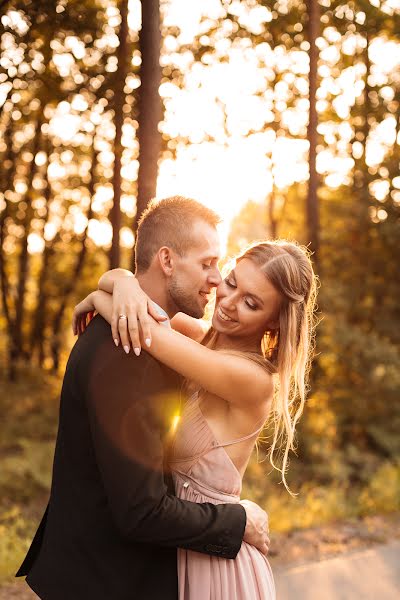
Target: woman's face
[247, 304]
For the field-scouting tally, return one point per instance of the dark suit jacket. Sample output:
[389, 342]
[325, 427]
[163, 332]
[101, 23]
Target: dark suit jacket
[112, 526]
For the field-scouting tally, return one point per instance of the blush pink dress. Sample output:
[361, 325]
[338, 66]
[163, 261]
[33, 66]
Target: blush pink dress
[203, 472]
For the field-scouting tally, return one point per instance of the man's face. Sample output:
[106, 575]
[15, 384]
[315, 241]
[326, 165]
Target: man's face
[196, 273]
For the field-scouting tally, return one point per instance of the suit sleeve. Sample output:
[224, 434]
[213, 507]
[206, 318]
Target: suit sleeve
[129, 452]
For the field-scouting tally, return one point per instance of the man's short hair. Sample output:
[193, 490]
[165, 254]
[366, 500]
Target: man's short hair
[169, 222]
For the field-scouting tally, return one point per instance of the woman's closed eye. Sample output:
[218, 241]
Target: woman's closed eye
[230, 283]
[249, 303]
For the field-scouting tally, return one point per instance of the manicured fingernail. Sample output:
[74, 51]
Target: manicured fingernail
[116, 342]
[137, 351]
[126, 348]
[148, 342]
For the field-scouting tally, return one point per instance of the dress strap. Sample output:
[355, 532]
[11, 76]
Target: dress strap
[241, 439]
[214, 445]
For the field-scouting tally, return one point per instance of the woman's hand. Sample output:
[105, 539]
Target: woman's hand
[80, 312]
[132, 308]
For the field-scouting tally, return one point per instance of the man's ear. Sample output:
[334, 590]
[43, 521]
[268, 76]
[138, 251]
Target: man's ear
[166, 260]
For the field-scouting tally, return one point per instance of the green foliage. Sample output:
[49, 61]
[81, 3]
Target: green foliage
[317, 503]
[313, 506]
[26, 471]
[26, 455]
[382, 494]
[16, 532]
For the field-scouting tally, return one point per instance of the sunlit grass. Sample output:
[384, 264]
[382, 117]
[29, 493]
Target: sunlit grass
[26, 454]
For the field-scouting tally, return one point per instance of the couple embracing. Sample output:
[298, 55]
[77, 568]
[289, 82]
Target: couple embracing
[138, 509]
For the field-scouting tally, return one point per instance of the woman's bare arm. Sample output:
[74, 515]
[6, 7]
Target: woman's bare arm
[189, 326]
[233, 378]
[107, 280]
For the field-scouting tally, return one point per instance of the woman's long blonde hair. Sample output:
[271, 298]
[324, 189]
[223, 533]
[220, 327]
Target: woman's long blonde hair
[286, 351]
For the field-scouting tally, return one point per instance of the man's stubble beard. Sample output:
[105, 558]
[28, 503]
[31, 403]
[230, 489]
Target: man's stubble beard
[184, 300]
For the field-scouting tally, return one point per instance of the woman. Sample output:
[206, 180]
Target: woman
[250, 366]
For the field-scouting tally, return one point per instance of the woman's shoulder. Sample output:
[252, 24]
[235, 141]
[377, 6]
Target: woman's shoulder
[193, 328]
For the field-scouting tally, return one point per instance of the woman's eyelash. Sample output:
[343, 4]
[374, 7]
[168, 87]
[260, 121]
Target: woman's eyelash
[251, 306]
[229, 283]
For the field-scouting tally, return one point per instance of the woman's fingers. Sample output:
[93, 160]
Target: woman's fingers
[134, 334]
[144, 323]
[76, 318]
[129, 325]
[131, 302]
[123, 331]
[114, 327]
[153, 312]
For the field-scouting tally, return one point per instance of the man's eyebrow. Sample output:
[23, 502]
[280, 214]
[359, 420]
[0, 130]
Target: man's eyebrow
[211, 257]
[260, 300]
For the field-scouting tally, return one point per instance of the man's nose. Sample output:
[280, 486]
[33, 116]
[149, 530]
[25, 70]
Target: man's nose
[214, 277]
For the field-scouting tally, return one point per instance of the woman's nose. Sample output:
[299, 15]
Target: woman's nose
[228, 302]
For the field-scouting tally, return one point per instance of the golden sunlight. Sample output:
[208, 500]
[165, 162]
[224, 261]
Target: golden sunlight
[237, 152]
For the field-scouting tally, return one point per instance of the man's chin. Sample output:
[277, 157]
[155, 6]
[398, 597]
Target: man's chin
[187, 304]
[197, 312]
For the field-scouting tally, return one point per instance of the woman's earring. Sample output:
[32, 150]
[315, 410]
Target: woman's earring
[271, 341]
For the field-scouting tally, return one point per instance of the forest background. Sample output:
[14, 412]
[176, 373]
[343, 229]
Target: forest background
[281, 115]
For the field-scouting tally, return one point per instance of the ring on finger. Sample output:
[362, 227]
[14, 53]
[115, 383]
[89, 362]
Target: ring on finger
[122, 317]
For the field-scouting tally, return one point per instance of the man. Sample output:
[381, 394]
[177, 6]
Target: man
[112, 525]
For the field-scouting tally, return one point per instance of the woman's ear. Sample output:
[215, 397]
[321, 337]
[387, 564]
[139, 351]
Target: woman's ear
[166, 260]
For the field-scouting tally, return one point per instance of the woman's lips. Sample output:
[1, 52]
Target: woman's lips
[224, 317]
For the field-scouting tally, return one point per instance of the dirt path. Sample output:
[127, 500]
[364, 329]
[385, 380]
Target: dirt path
[367, 574]
[328, 541]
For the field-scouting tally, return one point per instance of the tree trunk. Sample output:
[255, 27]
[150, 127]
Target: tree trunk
[273, 222]
[56, 340]
[39, 318]
[23, 261]
[312, 208]
[119, 100]
[8, 159]
[6, 184]
[150, 107]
